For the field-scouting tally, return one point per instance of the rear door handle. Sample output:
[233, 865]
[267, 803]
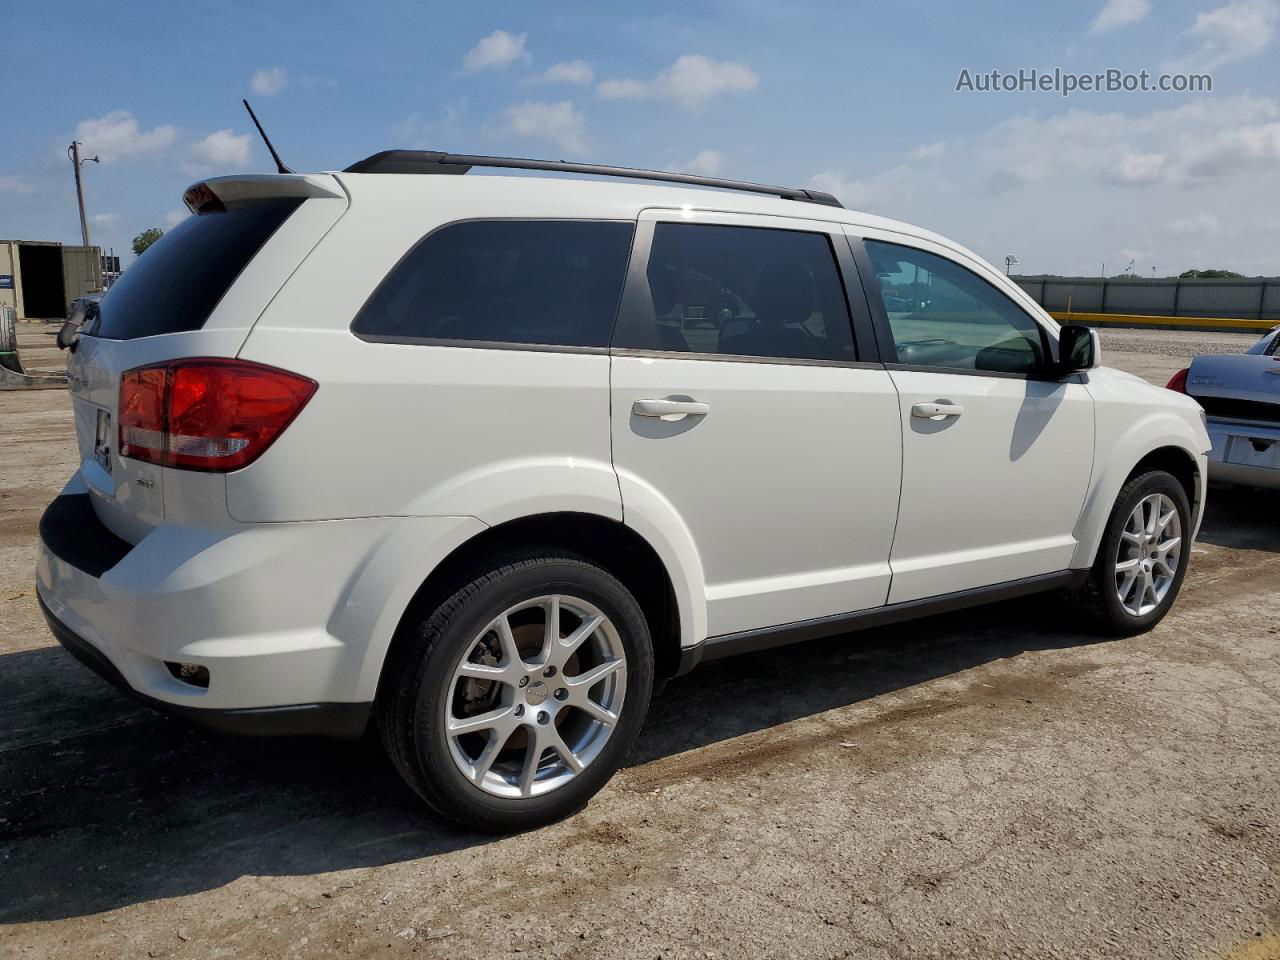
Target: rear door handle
[937, 410]
[670, 408]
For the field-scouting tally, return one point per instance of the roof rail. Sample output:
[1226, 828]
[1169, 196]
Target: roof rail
[432, 161]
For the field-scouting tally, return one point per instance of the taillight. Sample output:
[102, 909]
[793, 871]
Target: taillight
[207, 414]
[1178, 381]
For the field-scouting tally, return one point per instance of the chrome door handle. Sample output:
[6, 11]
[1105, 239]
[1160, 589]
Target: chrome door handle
[670, 408]
[937, 410]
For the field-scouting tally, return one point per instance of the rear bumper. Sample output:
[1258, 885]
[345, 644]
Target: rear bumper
[253, 605]
[1244, 452]
[344, 720]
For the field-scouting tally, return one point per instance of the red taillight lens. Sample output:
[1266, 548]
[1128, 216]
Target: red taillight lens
[142, 394]
[207, 414]
[1178, 381]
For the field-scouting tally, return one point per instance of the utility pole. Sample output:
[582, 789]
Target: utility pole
[73, 152]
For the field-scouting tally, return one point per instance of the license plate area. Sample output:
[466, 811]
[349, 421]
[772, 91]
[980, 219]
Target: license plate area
[1254, 452]
[102, 439]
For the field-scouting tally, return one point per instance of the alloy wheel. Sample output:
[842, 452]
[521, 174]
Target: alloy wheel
[1148, 553]
[536, 696]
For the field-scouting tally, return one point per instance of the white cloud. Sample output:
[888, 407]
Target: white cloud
[267, 83]
[706, 163]
[116, 136]
[1237, 31]
[1120, 13]
[1201, 223]
[929, 151]
[575, 72]
[497, 51]
[692, 81]
[1195, 143]
[1110, 187]
[1140, 168]
[220, 152]
[175, 217]
[418, 133]
[104, 219]
[560, 123]
[11, 184]
[882, 191]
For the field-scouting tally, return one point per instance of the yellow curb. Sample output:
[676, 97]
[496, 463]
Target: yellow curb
[1134, 320]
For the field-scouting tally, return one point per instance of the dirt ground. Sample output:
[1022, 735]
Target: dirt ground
[988, 784]
[38, 348]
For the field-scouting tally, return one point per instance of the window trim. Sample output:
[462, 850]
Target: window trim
[495, 344]
[884, 329]
[636, 305]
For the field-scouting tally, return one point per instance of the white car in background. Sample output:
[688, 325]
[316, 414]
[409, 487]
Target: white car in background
[487, 458]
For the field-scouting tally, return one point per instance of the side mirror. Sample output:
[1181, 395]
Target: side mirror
[1078, 348]
[69, 335]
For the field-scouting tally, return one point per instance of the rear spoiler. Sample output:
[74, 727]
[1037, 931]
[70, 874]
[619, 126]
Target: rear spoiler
[218, 193]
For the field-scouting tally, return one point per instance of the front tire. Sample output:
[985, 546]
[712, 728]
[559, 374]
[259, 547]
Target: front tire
[515, 701]
[1143, 556]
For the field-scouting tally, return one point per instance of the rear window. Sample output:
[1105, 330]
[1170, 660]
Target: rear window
[549, 282]
[742, 291]
[176, 283]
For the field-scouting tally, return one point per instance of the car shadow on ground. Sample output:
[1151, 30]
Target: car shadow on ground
[104, 804]
[1242, 518]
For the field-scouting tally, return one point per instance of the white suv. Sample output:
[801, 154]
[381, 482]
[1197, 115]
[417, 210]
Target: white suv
[487, 458]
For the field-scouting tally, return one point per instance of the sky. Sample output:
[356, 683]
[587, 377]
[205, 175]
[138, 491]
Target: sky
[853, 97]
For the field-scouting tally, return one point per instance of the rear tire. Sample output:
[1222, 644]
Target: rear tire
[1141, 561]
[483, 684]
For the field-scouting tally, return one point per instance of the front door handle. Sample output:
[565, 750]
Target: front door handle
[938, 410]
[670, 408]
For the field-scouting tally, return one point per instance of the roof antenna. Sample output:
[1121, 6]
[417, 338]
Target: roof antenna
[280, 167]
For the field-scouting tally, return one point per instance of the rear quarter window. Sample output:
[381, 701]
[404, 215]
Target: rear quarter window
[537, 282]
[176, 283]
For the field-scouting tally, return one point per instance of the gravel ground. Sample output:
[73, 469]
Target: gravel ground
[995, 783]
[1158, 354]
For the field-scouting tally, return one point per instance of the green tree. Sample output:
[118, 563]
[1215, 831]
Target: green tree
[145, 239]
[1210, 275]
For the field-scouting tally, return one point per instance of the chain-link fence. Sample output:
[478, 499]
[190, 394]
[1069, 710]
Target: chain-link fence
[1250, 299]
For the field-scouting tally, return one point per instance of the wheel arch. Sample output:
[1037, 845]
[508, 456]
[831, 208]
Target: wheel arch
[1172, 451]
[1178, 462]
[609, 543]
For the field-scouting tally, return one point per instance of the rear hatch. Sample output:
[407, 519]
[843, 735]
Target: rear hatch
[1237, 387]
[195, 293]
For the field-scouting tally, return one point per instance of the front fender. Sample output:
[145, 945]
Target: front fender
[1117, 454]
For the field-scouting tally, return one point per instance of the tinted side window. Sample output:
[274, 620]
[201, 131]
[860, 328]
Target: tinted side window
[943, 315]
[553, 282]
[176, 283]
[745, 291]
